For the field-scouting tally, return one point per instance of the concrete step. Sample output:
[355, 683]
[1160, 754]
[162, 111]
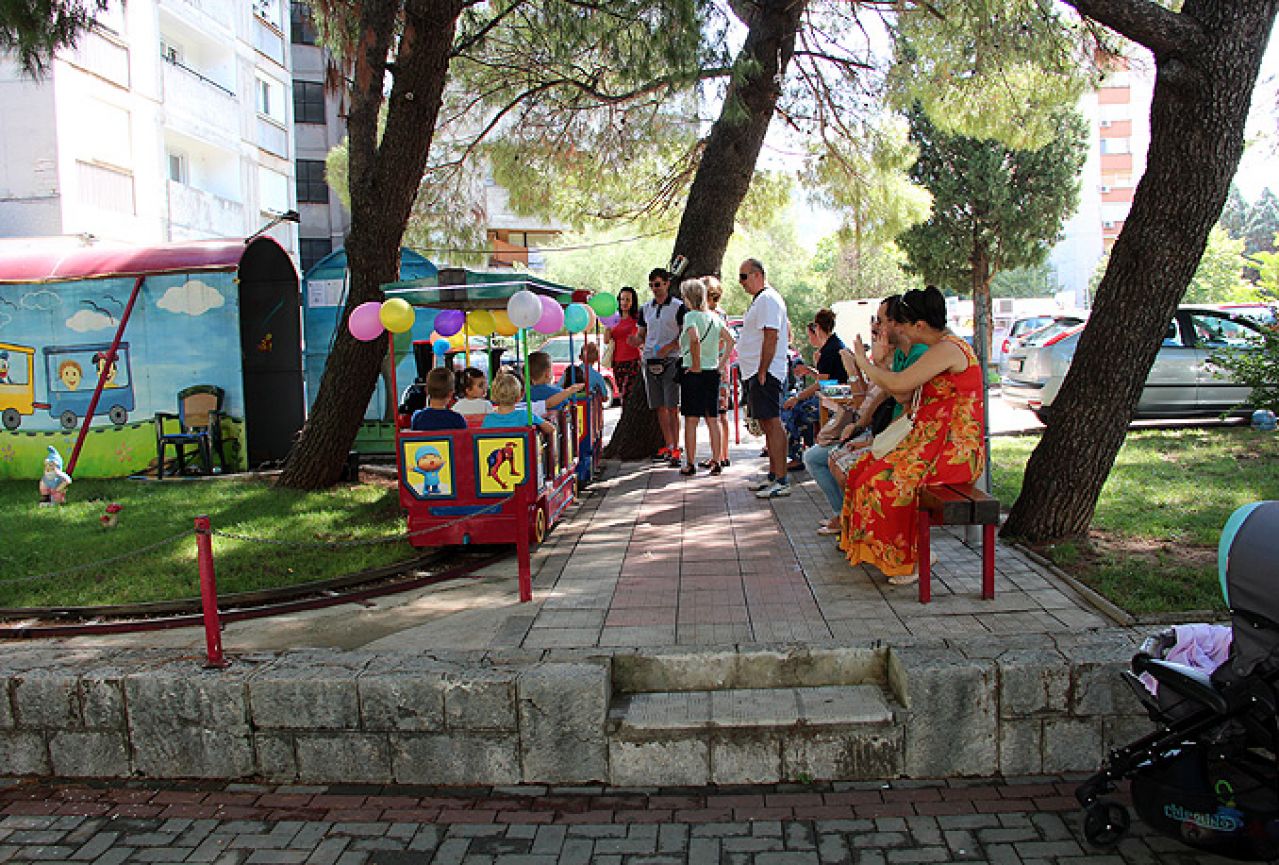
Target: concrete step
[750, 708]
[754, 735]
[706, 669]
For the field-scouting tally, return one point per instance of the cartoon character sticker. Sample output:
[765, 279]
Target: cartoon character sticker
[499, 464]
[428, 467]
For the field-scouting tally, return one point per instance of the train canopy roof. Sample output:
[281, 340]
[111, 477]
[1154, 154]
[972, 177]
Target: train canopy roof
[459, 288]
[102, 261]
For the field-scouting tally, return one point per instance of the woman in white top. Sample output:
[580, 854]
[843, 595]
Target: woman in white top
[700, 341]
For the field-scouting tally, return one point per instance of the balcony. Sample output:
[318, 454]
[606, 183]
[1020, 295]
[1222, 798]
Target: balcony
[199, 13]
[196, 213]
[198, 106]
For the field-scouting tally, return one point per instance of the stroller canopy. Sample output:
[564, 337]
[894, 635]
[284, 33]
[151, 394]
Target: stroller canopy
[1246, 565]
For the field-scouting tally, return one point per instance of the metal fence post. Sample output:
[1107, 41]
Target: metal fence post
[209, 595]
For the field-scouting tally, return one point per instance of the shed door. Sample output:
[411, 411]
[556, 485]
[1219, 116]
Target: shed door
[271, 352]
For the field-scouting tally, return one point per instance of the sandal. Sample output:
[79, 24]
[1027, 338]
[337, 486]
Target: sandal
[826, 530]
[724, 462]
[706, 463]
[715, 469]
[688, 470]
[904, 579]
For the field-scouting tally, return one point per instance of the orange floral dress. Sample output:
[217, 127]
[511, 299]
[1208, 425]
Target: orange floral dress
[879, 521]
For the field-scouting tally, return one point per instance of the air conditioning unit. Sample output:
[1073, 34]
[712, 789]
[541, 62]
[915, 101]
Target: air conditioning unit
[1105, 124]
[1107, 223]
[1105, 189]
[1003, 306]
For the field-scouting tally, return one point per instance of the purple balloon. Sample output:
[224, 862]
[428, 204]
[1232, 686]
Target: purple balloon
[449, 321]
[552, 316]
[611, 320]
[365, 322]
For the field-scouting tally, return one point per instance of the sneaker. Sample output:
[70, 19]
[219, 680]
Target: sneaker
[777, 490]
[662, 455]
[762, 483]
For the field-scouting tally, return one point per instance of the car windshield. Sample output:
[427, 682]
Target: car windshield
[1058, 326]
[1024, 326]
[557, 349]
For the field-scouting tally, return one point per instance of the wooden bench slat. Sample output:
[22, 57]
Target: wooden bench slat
[945, 506]
[985, 508]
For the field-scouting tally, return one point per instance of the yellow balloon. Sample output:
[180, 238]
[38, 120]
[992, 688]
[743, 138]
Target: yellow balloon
[502, 323]
[397, 315]
[457, 341]
[480, 322]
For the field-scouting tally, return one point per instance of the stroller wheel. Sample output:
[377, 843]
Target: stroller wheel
[1106, 823]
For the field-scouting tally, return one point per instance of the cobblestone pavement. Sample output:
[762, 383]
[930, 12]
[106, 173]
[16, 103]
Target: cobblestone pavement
[1031, 821]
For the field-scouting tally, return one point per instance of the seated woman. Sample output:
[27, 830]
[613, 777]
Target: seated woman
[881, 498]
[800, 411]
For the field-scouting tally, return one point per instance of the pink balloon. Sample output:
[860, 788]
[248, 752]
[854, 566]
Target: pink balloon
[365, 322]
[552, 316]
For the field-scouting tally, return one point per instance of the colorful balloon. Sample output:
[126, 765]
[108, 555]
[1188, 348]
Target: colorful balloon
[480, 322]
[524, 309]
[365, 323]
[502, 323]
[552, 318]
[441, 346]
[577, 317]
[610, 320]
[457, 341]
[449, 321]
[604, 304]
[397, 315]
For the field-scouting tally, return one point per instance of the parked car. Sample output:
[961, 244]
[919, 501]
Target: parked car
[561, 359]
[1180, 383]
[1017, 331]
[1055, 327]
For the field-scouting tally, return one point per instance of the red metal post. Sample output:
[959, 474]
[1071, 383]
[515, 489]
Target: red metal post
[923, 554]
[102, 379]
[209, 594]
[523, 548]
[988, 562]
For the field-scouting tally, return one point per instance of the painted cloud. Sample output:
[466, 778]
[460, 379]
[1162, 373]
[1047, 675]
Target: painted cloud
[191, 298]
[41, 299]
[87, 319]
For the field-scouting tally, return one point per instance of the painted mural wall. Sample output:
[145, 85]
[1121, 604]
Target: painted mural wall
[184, 330]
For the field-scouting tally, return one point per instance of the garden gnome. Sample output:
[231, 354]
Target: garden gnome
[54, 481]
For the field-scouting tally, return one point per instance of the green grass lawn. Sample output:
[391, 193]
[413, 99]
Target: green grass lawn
[39, 541]
[1154, 540]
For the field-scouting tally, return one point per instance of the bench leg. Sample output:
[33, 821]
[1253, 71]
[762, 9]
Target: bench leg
[923, 555]
[988, 562]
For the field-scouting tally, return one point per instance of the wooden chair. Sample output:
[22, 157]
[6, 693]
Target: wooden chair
[199, 421]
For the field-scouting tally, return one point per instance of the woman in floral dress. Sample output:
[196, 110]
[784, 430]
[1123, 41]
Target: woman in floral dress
[879, 521]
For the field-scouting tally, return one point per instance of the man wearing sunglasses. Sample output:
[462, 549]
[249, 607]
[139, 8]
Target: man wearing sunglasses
[761, 357]
[660, 322]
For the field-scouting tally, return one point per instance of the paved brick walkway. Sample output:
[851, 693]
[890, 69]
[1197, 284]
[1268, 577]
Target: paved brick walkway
[1032, 821]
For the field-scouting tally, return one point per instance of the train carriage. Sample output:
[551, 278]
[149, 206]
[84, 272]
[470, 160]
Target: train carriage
[489, 486]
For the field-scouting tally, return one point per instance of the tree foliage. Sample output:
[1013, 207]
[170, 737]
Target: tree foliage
[34, 30]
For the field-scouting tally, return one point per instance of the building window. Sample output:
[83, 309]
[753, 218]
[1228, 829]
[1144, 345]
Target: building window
[308, 102]
[271, 98]
[302, 26]
[312, 249]
[177, 163]
[268, 11]
[311, 185]
[273, 191]
[1116, 145]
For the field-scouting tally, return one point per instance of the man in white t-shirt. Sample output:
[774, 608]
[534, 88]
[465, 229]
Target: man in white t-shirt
[761, 357]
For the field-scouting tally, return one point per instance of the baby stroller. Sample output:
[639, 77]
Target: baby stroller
[1208, 776]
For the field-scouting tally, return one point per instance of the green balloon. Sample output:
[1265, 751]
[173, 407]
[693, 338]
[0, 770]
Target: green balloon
[603, 303]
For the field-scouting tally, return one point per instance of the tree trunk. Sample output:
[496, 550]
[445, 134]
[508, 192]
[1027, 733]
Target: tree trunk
[384, 179]
[1207, 60]
[981, 304]
[728, 160]
[637, 435]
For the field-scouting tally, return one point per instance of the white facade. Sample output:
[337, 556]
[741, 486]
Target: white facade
[1118, 118]
[170, 120]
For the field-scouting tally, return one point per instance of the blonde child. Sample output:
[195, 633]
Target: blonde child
[506, 392]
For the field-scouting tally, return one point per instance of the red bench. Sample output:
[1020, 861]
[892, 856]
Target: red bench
[957, 505]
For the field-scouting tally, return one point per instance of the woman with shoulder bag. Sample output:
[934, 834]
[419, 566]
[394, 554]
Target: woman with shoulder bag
[700, 344]
[619, 353]
[943, 445]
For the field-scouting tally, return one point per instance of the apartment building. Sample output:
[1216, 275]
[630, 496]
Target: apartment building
[170, 120]
[1118, 115]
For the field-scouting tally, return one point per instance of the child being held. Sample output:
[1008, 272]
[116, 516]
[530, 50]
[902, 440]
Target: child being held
[472, 385]
[437, 415]
[506, 392]
[586, 371]
[539, 374]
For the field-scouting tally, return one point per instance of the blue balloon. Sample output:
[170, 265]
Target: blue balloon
[441, 346]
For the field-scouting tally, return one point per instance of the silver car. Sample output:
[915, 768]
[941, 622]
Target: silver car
[1181, 383]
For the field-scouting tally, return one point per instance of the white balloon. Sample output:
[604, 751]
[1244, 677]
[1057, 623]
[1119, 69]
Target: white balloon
[524, 309]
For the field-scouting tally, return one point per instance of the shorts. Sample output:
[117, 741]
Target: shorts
[699, 394]
[763, 401]
[663, 390]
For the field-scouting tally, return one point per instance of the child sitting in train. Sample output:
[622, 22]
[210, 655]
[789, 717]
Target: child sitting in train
[539, 374]
[437, 415]
[472, 385]
[506, 392]
[586, 371]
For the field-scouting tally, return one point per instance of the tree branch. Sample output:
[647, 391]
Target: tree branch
[1144, 22]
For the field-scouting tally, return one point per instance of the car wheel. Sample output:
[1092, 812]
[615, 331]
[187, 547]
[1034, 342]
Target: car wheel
[12, 420]
[1043, 413]
[68, 420]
